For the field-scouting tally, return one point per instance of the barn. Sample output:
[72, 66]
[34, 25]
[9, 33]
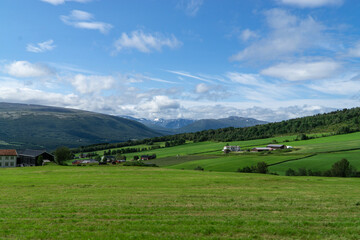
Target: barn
[29, 157]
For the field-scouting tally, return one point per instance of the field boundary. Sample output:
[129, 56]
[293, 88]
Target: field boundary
[289, 160]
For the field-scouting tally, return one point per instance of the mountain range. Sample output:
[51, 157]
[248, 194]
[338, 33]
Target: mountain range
[174, 126]
[44, 127]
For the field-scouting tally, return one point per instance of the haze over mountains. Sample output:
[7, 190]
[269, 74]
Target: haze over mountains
[173, 126]
[39, 127]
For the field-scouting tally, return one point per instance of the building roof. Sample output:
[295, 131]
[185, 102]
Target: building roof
[262, 148]
[8, 152]
[275, 146]
[31, 153]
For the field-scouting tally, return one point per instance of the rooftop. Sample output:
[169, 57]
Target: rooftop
[8, 152]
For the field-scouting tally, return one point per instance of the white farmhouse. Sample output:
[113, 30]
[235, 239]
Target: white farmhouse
[8, 158]
[231, 148]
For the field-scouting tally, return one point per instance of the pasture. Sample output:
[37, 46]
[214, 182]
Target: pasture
[317, 154]
[116, 202]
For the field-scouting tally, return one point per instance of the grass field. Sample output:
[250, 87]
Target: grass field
[112, 202]
[324, 152]
[231, 163]
[319, 162]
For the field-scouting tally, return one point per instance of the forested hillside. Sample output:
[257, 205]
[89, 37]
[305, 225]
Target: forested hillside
[341, 121]
[34, 126]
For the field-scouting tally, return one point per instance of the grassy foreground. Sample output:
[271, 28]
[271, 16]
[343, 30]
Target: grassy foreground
[112, 202]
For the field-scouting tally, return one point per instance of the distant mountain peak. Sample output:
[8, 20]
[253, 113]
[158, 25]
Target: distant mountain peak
[181, 125]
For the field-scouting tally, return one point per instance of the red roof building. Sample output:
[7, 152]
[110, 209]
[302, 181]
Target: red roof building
[8, 157]
[8, 152]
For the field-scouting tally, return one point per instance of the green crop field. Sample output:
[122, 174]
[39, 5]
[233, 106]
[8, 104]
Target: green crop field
[116, 202]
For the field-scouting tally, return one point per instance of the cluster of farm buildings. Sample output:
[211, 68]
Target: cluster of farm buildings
[23, 158]
[270, 147]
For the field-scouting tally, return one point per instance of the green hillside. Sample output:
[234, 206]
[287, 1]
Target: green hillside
[318, 153]
[342, 121]
[33, 126]
[115, 202]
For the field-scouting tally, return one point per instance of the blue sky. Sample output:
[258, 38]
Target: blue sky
[267, 59]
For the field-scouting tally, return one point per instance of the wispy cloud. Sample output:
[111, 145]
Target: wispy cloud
[159, 80]
[58, 2]
[82, 19]
[41, 47]
[311, 3]
[190, 7]
[185, 74]
[247, 34]
[355, 51]
[24, 69]
[145, 42]
[288, 35]
[303, 70]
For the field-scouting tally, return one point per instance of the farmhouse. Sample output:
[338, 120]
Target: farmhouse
[107, 158]
[231, 148]
[88, 161]
[276, 146]
[29, 157]
[8, 158]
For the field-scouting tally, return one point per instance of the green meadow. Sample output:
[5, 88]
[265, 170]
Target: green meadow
[117, 202]
[318, 154]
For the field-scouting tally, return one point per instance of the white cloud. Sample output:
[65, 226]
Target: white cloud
[311, 3]
[209, 92]
[247, 34]
[287, 35]
[145, 42]
[302, 70]
[78, 15]
[13, 90]
[58, 2]
[26, 69]
[92, 84]
[82, 19]
[202, 88]
[191, 7]
[41, 47]
[158, 104]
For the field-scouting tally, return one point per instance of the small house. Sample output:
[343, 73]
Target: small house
[76, 162]
[231, 148]
[276, 146]
[88, 161]
[107, 158]
[8, 158]
[144, 157]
